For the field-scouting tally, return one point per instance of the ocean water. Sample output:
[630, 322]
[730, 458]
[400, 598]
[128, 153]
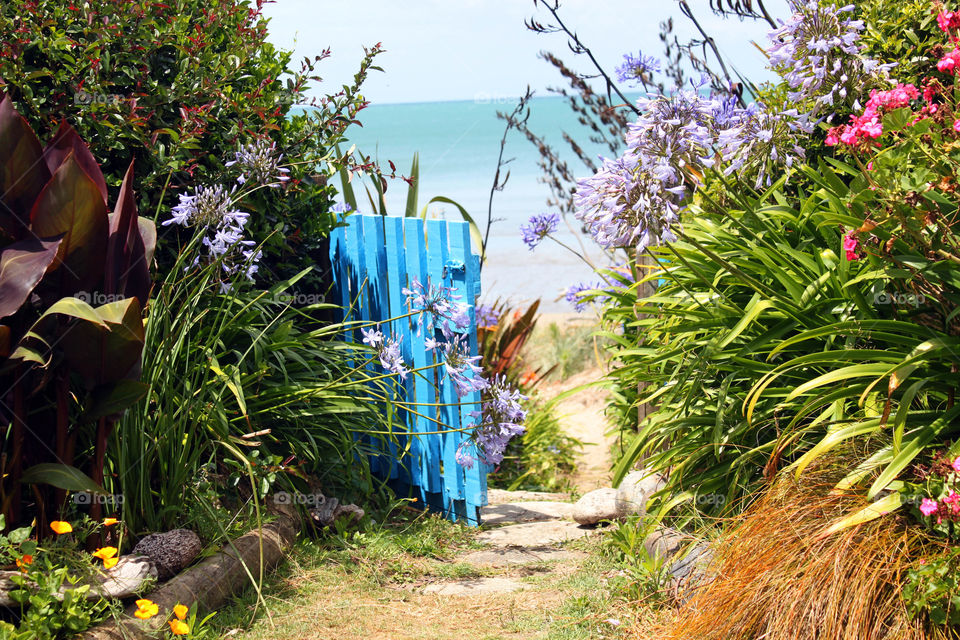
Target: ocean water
[458, 144]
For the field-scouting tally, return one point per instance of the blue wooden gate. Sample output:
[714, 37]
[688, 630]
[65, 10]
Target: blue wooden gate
[373, 258]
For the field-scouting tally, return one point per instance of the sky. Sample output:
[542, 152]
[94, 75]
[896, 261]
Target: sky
[439, 50]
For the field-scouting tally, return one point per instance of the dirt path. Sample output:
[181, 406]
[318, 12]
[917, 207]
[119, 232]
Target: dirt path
[582, 415]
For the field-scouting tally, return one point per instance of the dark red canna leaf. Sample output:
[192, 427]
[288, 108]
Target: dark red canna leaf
[70, 206]
[23, 172]
[22, 265]
[66, 140]
[127, 271]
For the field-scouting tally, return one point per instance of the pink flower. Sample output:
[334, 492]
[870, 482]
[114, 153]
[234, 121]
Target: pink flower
[953, 500]
[832, 138]
[948, 63]
[928, 507]
[850, 243]
[948, 20]
[870, 166]
[956, 125]
[956, 464]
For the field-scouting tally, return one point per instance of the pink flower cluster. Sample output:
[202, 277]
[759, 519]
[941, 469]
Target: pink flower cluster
[868, 125]
[950, 63]
[948, 507]
[948, 20]
[850, 243]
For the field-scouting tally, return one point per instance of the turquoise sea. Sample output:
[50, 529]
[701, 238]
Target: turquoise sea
[458, 144]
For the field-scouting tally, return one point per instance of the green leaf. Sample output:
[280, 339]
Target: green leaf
[61, 476]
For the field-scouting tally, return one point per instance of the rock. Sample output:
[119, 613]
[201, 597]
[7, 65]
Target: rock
[599, 504]
[474, 586]
[635, 489]
[534, 534]
[171, 552]
[123, 579]
[501, 496]
[664, 543]
[515, 512]
[510, 557]
[350, 513]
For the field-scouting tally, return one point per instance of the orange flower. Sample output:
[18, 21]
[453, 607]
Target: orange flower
[180, 611]
[146, 609]
[179, 627]
[60, 527]
[110, 563]
[24, 561]
[109, 522]
[105, 553]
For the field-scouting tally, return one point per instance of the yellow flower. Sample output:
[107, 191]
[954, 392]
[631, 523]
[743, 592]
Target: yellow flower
[110, 563]
[60, 527]
[146, 609]
[179, 627]
[24, 561]
[105, 552]
[109, 522]
[180, 611]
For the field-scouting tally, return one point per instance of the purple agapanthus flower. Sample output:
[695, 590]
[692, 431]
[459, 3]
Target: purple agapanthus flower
[636, 199]
[500, 419]
[439, 303]
[539, 227]
[487, 316]
[574, 297]
[462, 368]
[214, 209]
[816, 51]
[341, 207]
[390, 357]
[637, 68]
[260, 164]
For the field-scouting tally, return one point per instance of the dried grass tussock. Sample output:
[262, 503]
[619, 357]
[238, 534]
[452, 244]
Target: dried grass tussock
[779, 578]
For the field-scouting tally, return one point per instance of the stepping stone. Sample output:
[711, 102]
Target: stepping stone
[500, 496]
[507, 557]
[474, 586]
[515, 512]
[534, 534]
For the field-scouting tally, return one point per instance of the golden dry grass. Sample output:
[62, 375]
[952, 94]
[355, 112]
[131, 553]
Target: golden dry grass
[778, 578]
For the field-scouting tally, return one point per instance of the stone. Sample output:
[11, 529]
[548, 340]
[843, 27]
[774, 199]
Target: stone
[473, 586]
[123, 579]
[534, 534]
[599, 504]
[501, 496]
[516, 512]
[636, 488]
[511, 556]
[171, 552]
[664, 543]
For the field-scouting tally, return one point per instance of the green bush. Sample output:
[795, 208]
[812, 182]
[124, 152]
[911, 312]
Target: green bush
[177, 88]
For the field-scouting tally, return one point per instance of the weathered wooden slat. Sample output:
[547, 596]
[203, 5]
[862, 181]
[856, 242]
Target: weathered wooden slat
[409, 467]
[425, 396]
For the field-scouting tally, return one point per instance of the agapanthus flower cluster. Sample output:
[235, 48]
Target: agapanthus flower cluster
[260, 164]
[816, 52]
[214, 208]
[439, 303]
[387, 349]
[460, 367]
[500, 419]
[869, 125]
[636, 199]
[637, 69]
[579, 302]
[487, 316]
[539, 227]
